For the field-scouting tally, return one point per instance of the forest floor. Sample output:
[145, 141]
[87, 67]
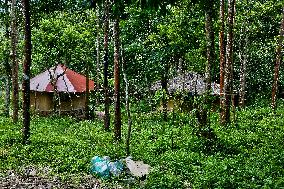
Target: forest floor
[246, 154]
[29, 179]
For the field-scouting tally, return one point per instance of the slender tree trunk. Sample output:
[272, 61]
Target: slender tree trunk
[164, 83]
[26, 72]
[278, 62]
[243, 58]
[210, 44]
[7, 96]
[87, 93]
[126, 104]
[222, 47]
[204, 112]
[98, 53]
[243, 81]
[228, 85]
[106, 62]
[1, 89]
[117, 111]
[15, 65]
[7, 65]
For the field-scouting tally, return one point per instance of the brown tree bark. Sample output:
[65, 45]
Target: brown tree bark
[243, 58]
[117, 110]
[15, 65]
[278, 62]
[204, 111]
[222, 47]
[7, 66]
[228, 75]
[98, 52]
[106, 63]
[164, 83]
[129, 122]
[26, 71]
[243, 80]
[210, 43]
[87, 110]
[7, 95]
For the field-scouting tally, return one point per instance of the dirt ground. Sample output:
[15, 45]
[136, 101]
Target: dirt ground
[31, 178]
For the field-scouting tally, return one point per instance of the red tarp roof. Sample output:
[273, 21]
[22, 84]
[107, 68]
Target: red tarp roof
[64, 79]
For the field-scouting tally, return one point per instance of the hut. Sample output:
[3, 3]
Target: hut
[59, 90]
[184, 86]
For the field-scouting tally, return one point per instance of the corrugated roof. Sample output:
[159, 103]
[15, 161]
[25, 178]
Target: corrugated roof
[61, 78]
[189, 82]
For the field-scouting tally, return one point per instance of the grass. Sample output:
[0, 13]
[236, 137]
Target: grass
[249, 154]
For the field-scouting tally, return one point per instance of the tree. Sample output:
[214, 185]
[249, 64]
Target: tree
[64, 38]
[26, 71]
[222, 47]
[87, 109]
[98, 51]
[129, 122]
[15, 66]
[6, 63]
[164, 83]
[278, 62]
[228, 75]
[210, 46]
[117, 111]
[95, 5]
[243, 57]
[210, 51]
[118, 8]
[243, 70]
[106, 63]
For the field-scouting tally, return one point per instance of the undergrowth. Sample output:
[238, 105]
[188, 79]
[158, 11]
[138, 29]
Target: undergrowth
[246, 154]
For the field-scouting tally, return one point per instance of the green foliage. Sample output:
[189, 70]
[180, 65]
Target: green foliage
[249, 155]
[259, 22]
[155, 35]
[65, 38]
[63, 144]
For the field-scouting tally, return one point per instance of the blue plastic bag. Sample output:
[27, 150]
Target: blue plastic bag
[116, 168]
[102, 167]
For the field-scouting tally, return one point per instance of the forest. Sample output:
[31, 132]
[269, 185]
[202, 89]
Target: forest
[191, 89]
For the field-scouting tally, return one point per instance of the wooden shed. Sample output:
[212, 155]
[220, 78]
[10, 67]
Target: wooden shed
[59, 90]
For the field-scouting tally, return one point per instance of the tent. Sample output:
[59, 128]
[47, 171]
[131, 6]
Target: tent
[59, 89]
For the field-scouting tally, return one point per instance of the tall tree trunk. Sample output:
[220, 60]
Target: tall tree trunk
[87, 110]
[210, 44]
[222, 47]
[210, 60]
[164, 83]
[243, 58]
[15, 65]
[243, 80]
[26, 72]
[228, 85]
[126, 104]
[117, 111]
[7, 65]
[278, 62]
[7, 96]
[98, 53]
[106, 62]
